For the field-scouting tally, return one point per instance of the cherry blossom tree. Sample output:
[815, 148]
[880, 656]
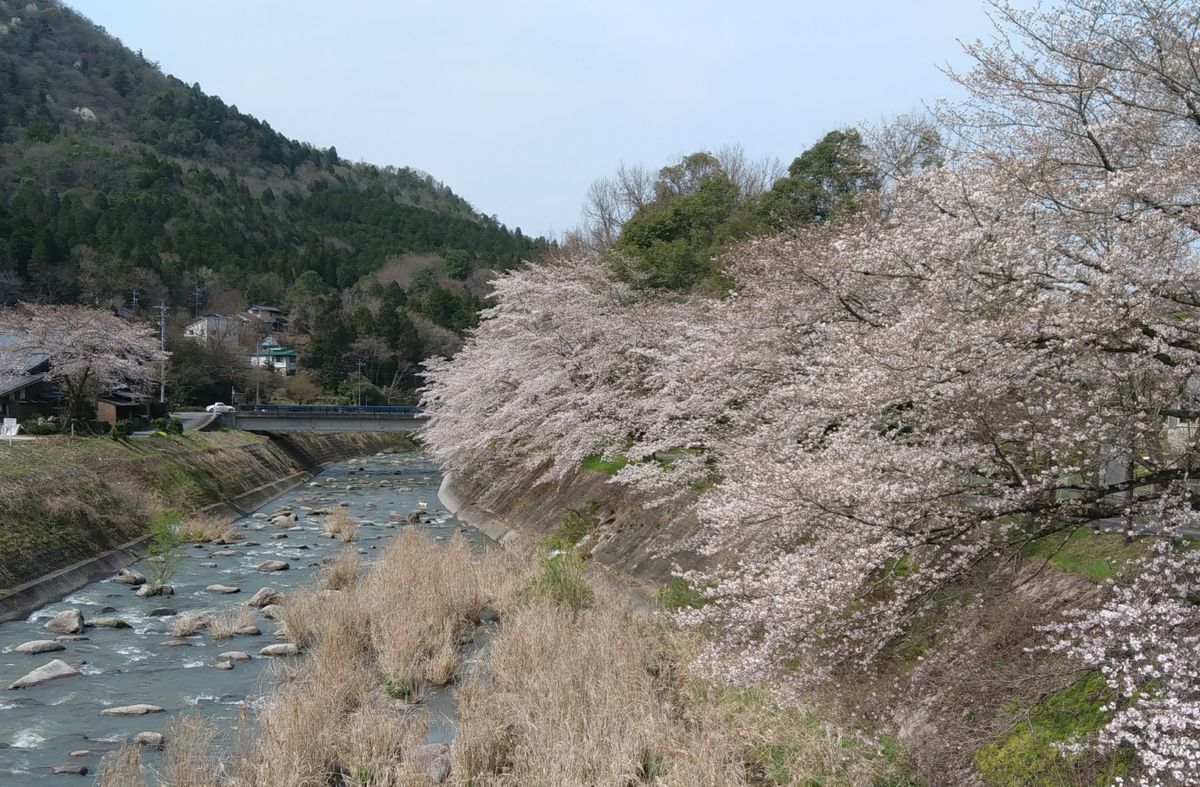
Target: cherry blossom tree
[984, 354]
[90, 351]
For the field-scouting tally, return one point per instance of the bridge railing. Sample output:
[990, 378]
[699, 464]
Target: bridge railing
[409, 411]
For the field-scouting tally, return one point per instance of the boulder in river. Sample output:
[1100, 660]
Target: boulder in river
[273, 565]
[233, 655]
[250, 630]
[109, 623]
[223, 589]
[154, 740]
[224, 665]
[39, 646]
[141, 709]
[162, 612]
[71, 770]
[69, 621]
[46, 673]
[280, 649]
[271, 611]
[265, 597]
[148, 590]
[72, 638]
[128, 576]
[226, 553]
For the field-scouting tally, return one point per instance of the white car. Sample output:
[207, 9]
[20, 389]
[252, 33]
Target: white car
[220, 407]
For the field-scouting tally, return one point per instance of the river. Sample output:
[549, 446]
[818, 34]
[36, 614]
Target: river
[40, 727]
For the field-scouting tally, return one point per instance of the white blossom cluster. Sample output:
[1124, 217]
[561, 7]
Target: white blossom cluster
[1144, 640]
[885, 404]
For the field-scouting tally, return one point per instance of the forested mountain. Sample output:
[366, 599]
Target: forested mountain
[116, 178]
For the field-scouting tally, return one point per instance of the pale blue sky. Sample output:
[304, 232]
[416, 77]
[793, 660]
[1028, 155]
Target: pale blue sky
[519, 105]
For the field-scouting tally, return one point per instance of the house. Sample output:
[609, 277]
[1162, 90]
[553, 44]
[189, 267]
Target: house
[215, 329]
[123, 406]
[25, 393]
[271, 319]
[274, 356]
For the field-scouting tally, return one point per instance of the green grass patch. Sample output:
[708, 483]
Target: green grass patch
[677, 594]
[562, 580]
[597, 463]
[576, 525]
[1031, 754]
[1098, 557]
[399, 689]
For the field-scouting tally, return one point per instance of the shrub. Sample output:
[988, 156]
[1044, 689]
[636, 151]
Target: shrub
[339, 524]
[121, 429]
[40, 426]
[203, 528]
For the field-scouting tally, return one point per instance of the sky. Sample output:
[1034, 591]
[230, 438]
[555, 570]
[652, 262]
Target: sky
[518, 106]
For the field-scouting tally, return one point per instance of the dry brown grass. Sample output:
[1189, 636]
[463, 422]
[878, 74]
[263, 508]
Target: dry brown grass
[225, 625]
[205, 528]
[187, 625]
[599, 695]
[342, 572]
[339, 524]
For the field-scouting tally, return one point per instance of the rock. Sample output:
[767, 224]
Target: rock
[273, 565]
[281, 649]
[128, 576]
[414, 518]
[154, 740]
[265, 597]
[251, 544]
[226, 553]
[207, 564]
[277, 536]
[81, 752]
[109, 623]
[435, 757]
[162, 612]
[46, 673]
[233, 655]
[71, 770]
[72, 638]
[104, 611]
[141, 709]
[287, 520]
[146, 591]
[258, 515]
[271, 611]
[248, 631]
[224, 665]
[223, 589]
[69, 621]
[175, 643]
[39, 646]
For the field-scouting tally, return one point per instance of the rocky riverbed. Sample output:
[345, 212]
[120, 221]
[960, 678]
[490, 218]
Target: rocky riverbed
[123, 674]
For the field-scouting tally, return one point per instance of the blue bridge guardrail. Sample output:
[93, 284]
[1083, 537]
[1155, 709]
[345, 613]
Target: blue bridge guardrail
[331, 409]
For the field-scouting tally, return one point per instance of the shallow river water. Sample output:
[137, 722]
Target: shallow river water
[41, 726]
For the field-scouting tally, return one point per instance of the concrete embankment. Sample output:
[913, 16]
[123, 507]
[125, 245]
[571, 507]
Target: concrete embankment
[626, 536]
[72, 510]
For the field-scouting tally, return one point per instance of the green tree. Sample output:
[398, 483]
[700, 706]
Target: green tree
[822, 182]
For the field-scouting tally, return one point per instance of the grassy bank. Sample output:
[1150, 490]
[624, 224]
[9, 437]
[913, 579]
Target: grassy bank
[576, 688]
[65, 499]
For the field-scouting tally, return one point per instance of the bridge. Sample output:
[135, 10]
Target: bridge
[324, 418]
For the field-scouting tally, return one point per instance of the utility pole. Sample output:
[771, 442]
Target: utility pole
[360, 382]
[162, 345]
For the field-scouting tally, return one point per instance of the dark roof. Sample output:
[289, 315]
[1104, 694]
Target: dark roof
[11, 383]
